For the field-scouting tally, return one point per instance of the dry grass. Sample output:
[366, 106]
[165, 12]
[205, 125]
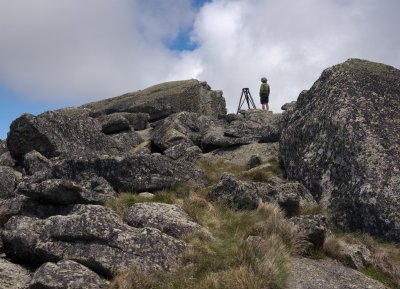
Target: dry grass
[215, 170]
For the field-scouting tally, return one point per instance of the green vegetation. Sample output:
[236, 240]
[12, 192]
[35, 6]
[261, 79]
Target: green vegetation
[125, 200]
[245, 249]
[378, 275]
[262, 173]
[238, 249]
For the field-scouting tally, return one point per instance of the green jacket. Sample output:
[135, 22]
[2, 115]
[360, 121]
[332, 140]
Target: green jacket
[264, 89]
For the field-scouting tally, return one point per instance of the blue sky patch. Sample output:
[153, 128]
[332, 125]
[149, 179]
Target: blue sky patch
[182, 42]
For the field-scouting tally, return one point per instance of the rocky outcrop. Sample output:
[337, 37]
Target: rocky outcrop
[328, 274]
[357, 256]
[247, 195]
[208, 134]
[36, 163]
[257, 125]
[342, 142]
[5, 156]
[9, 179]
[62, 133]
[65, 192]
[114, 123]
[181, 128]
[313, 227]
[164, 99]
[170, 219]
[133, 173]
[92, 236]
[183, 151]
[13, 276]
[66, 274]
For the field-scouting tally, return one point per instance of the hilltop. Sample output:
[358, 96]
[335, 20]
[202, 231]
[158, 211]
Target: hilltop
[161, 188]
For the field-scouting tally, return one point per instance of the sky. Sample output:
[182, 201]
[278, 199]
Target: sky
[59, 53]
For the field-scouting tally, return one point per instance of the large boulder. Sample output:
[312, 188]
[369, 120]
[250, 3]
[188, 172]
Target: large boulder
[342, 142]
[328, 274]
[114, 123]
[35, 163]
[181, 128]
[66, 274]
[290, 196]
[164, 99]
[139, 172]
[313, 227]
[93, 236]
[13, 276]
[63, 133]
[258, 125]
[170, 219]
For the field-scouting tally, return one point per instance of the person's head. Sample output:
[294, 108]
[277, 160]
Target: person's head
[264, 80]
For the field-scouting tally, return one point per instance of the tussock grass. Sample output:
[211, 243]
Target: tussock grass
[311, 209]
[246, 249]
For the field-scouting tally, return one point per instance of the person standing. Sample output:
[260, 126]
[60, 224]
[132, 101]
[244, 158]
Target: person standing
[264, 93]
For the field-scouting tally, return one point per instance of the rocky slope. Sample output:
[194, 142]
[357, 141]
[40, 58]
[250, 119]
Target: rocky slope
[58, 169]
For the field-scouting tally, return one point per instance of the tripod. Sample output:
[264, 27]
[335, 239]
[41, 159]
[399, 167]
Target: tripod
[246, 96]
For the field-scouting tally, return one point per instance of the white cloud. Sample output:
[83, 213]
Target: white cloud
[83, 50]
[290, 42]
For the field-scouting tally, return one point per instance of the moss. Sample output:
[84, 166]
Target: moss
[379, 276]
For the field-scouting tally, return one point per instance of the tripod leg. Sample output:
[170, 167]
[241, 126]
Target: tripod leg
[252, 101]
[240, 103]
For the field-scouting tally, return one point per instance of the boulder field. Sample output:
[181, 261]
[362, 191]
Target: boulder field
[338, 146]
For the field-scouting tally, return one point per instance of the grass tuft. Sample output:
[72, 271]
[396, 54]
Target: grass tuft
[125, 200]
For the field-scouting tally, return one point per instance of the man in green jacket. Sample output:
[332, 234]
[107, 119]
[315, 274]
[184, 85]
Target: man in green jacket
[264, 93]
